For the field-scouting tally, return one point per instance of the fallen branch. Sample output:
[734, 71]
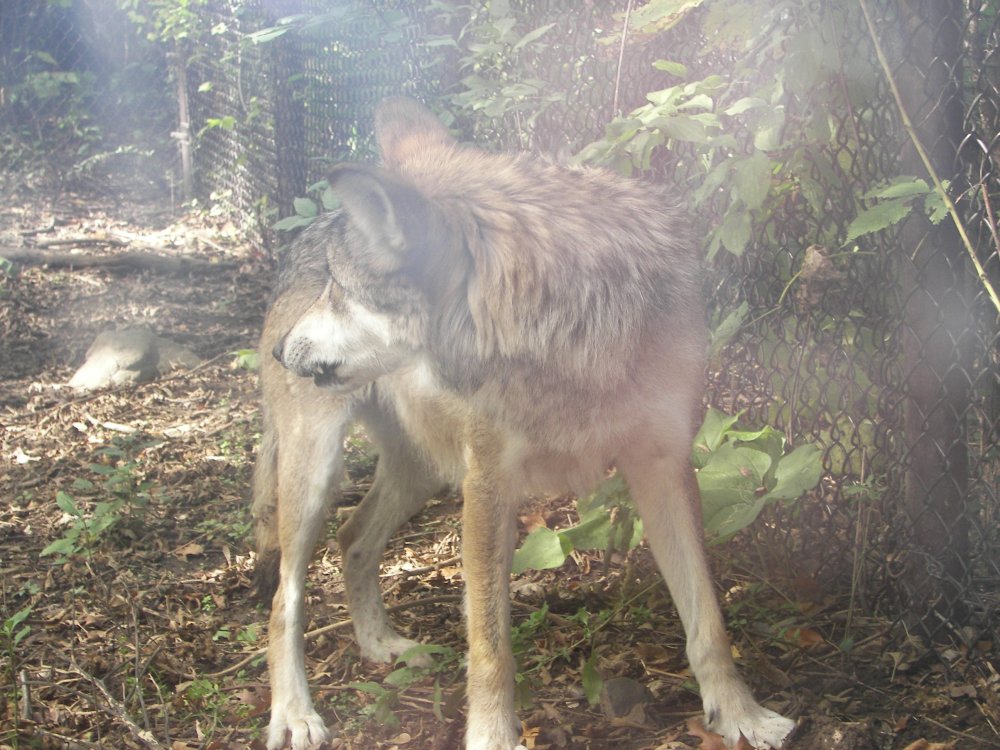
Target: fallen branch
[131, 261]
[90, 240]
[119, 711]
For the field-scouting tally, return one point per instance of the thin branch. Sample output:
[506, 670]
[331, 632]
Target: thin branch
[119, 712]
[339, 625]
[928, 165]
[621, 57]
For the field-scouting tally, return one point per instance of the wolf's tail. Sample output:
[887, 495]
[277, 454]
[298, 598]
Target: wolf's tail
[265, 514]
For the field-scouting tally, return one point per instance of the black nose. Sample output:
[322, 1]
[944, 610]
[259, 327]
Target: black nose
[278, 352]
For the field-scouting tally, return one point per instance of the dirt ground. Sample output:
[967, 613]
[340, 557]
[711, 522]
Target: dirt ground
[140, 630]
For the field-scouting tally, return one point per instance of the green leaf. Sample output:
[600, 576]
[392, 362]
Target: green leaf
[610, 492]
[935, 206]
[372, 688]
[880, 216]
[592, 532]
[767, 440]
[329, 199]
[403, 677]
[900, 187]
[752, 179]
[532, 36]
[268, 34]
[64, 546]
[727, 329]
[710, 435]
[499, 9]
[814, 194]
[735, 231]
[291, 222]
[660, 15]
[797, 473]
[673, 68]
[67, 504]
[768, 136]
[698, 101]
[248, 359]
[422, 649]
[305, 207]
[592, 680]
[542, 549]
[664, 97]
[730, 485]
[17, 618]
[745, 104]
[684, 128]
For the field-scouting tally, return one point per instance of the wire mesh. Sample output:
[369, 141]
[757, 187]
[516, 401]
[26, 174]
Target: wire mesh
[81, 101]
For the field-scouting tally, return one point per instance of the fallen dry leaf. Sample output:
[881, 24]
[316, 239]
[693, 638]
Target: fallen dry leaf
[923, 744]
[189, 550]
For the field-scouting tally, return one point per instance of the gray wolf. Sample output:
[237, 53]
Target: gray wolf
[503, 323]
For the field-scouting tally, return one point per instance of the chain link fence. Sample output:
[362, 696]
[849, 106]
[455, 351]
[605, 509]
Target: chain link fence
[884, 352]
[85, 103]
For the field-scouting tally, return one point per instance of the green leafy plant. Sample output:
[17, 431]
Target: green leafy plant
[85, 528]
[248, 359]
[207, 701]
[386, 695]
[307, 209]
[122, 481]
[893, 202]
[607, 522]
[13, 631]
[740, 472]
[497, 58]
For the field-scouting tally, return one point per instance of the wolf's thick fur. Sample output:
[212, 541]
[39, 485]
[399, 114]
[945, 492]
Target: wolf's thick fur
[506, 323]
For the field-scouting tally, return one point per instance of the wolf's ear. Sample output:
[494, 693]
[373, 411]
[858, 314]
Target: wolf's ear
[404, 127]
[390, 214]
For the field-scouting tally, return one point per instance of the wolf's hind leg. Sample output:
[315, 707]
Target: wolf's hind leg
[665, 493]
[403, 483]
[310, 464]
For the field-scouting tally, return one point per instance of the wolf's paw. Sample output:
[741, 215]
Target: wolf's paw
[763, 729]
[306, 728]
[493, 732]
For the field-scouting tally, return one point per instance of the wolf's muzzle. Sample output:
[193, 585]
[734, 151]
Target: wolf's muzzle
[322, 373]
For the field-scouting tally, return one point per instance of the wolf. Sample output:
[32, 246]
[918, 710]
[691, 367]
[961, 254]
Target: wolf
[508, 325]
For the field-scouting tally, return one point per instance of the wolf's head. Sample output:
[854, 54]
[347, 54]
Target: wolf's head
[384, 255]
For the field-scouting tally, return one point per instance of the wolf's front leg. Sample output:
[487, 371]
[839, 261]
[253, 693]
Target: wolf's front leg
[665, 493]
[309, 470]
[488, 536]
[294, 721]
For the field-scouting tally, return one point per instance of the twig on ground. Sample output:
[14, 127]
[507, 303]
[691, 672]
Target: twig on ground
[339, 625]
[118, 711]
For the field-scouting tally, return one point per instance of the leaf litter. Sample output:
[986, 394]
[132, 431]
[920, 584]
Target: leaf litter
[143, 633]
